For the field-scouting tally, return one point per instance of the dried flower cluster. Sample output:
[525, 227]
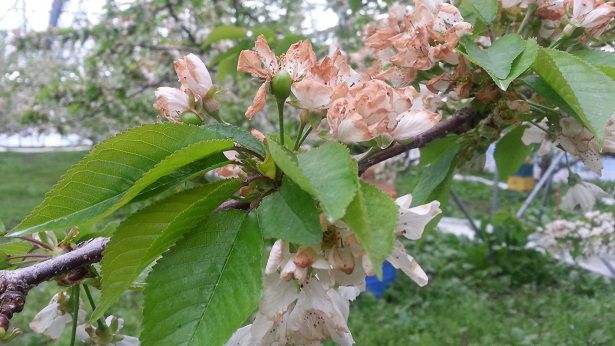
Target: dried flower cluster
[307, 292]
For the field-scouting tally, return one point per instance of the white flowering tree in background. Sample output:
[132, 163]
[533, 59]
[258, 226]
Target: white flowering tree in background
[275, 245]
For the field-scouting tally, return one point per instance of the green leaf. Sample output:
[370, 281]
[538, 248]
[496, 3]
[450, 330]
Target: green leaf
[543, 89]
[182, 174]
[605, 61]
[436, 148]
[15, 247]
[149, 232]
[373, 216]
[587, 90]
[328, 173]
[355, 5]
[290, 214]
[207, 285]
[225, 32]
[520, 65]
[117, 170]
[497, 60]
[239, 136]
[434, 176]
[487, 10]
[226, 67]
[510, 152]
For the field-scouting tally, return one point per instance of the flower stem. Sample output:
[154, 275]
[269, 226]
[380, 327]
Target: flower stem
[299, 136]
[101, 325]
[307, 133]
[281, 119]
[530, 10]
[75, 296]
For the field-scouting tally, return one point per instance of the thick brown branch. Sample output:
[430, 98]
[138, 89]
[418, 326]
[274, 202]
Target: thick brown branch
[15, 284]
[462, 121]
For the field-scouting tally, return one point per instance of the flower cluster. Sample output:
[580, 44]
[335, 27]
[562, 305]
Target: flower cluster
[307, 292]
[413, 40]
[593, 235]
[594, 16]
[358, 108]
[194, 98]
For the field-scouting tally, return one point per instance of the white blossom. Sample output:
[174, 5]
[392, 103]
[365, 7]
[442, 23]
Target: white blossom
[582, 194]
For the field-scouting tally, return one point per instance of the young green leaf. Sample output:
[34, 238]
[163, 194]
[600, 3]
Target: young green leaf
[587, 90]
[498, 59]
[605, 61]
[117, 170]
[487, 10]
[207, 285]
[434, 176]
[510, 152]
[290, 214]
[225, 32]
[328, 173]
[149, 232]
[238, 135]
[373, 216]
[520, 64]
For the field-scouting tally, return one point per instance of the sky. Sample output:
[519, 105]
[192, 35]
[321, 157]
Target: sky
[12, 12]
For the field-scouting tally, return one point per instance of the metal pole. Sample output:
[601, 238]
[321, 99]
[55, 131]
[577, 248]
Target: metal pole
[540, 183]
[495, 200]
[465, 212]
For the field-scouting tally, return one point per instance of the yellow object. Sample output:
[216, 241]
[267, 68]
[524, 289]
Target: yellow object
[516, 183]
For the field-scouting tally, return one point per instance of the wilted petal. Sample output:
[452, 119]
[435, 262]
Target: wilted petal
[401, 260]
[259, 101]
[582, 194]
[278, 294]
[250, 62]
[412, 221]
[266, 55]
[413, 123]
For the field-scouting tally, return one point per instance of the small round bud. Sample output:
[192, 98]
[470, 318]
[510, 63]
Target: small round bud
[191, 118]
[280, 85]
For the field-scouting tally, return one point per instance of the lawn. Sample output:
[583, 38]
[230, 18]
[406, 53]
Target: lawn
[515, 297]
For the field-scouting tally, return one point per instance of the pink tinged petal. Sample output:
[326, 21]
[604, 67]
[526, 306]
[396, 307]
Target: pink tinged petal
[298, 59]
[413, 123]
[250, 62]
[193, 75]
[312, 94]
[401, 260]
[259, 102]
[412, 221]
[171, 102]
[266, 55]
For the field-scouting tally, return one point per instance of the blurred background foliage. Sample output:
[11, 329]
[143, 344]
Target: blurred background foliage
[96, 78]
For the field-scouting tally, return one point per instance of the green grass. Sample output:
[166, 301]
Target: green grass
[26, 178]
[472, 298]
[544, 303]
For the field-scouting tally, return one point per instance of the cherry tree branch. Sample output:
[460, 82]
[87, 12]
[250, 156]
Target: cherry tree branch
[15, 284]
[462, 121]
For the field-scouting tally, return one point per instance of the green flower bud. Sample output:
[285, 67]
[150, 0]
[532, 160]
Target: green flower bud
[280, 85]
[191, 118]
